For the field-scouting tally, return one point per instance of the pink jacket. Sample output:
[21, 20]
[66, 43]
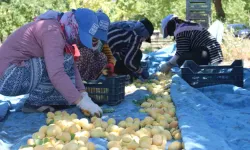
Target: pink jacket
[42, 39]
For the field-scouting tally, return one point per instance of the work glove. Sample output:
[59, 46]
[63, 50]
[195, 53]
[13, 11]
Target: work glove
[165, 68]
[110, 69]
[88, 107]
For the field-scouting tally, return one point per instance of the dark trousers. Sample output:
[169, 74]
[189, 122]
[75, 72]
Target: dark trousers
[196, 55]
[121, 69]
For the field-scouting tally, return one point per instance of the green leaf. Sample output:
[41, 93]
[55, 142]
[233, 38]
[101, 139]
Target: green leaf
[38, 141]
[45, 140]
[72, 136]
[51, 122]
[153, 96]
[108, 110]
[139, 102]
[25, 146]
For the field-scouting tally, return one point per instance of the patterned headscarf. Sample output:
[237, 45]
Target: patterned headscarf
[68, 23]
[69, 27]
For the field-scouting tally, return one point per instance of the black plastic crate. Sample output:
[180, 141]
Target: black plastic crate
[204, 75]
[110, 91]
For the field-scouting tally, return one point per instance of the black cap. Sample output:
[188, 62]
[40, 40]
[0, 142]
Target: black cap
[149, 26]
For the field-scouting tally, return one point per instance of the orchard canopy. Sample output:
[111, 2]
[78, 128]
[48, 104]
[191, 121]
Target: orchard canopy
[15, 13]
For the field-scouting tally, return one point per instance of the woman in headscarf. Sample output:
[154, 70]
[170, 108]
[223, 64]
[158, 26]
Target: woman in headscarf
[125, 39]
[193, 42]
[93, 61]
[38, 59]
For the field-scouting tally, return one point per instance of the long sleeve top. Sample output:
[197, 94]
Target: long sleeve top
[42, 39]
[124, 45]
[189, 38]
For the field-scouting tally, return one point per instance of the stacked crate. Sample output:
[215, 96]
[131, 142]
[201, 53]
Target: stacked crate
[199, 11]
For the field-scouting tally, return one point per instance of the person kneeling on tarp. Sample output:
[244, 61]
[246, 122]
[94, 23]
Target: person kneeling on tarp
[193, 42]
[125, 39]
[38, 59]
[99, 59]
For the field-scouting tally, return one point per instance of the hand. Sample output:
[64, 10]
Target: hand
[88, 106]
[165, 68]
[144, 74]
[110, 67]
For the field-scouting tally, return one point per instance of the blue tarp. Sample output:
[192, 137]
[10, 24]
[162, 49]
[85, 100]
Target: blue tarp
[18, 126]
[157, 58]
[216, 117]
[211, 118]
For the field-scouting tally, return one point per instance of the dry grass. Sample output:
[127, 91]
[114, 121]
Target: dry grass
[235, 48]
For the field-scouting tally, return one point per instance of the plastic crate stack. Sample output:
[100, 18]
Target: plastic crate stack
[201, 76]
[199, 11]
[110, 91]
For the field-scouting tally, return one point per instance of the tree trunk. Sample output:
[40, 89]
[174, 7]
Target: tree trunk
[219, 10]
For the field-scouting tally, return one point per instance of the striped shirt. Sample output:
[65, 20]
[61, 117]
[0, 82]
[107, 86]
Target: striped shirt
[188, 38]
[124, 45]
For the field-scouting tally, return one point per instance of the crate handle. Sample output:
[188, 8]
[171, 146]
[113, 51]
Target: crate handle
[188, 63]
[104, 81]
[95, 82]
[191, 67]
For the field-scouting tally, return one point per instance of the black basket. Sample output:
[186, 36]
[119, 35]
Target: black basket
[200, 76]
[110, 91]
